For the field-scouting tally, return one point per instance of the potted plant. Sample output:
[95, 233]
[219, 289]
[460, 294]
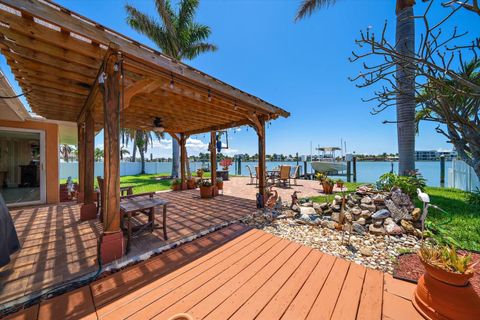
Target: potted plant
[206, 189]
[327, 185]
[339, 183]
[176, 184]
[225, 163]
[444, 290]
[320, 177]
[199, 173]
[219, 183]
[191, 183]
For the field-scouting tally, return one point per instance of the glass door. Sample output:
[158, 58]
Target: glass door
[21, 166]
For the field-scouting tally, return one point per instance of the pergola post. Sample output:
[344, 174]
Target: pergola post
[81, 161]
[88, 210]
[183, 160]
[261, 164]
[213, 161]
[112, 244]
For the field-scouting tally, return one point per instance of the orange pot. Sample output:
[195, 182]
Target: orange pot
[445, 295]
[327, 188]
[206, 192]
[191, 184]
[220, 185]
[176, 187]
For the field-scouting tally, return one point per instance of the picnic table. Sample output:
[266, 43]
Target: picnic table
[135, 204]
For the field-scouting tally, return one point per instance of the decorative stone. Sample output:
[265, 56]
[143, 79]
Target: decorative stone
[336, 216]
[376, 230]
[366, 200]
[416, 214]
[381, 214]
[417, 233]
[358, 228]
[361, 221]
[366, 214]
[336, 207]
[408, 226]
[369, 207]
[327, 211]
[348, 216]
[307, 210]
[324, 205]
[328, 224]
[378, 223]
[366, 251]
[398, 212]
[338, 198]
[307, 204]
[392, 228]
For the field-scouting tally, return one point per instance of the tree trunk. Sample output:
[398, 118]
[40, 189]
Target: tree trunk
[142, 158]
[175, 158]
[134, 152]
[405, 40]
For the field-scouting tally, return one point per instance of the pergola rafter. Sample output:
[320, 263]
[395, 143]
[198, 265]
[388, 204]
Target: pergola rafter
[75, 69]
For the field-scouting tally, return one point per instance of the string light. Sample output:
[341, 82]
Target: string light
[172, 83]
[209, 96]
[235, 105]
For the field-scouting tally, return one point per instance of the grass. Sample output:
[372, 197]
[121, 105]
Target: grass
[459, 226]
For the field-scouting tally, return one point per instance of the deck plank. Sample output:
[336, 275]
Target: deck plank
[30, 313]
[204, 306]
[327, 299]
[280, 302]
[110, 288]
[261, 298]
[398, 308]
[136, 300]
[77, 304]
[230, 305]
[186, 296]
[397, 287]
[347, 303]
[301, 305]
[142, 305]
[370, 306]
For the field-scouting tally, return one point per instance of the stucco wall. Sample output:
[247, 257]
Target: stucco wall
[51, 153]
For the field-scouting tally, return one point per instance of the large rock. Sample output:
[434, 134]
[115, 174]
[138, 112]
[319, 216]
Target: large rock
[366, 214]
[336, 207]
[356, 212]
[408, 226]
[379, 231]
[358, 228]
[392, 228]
[381, 214]
[366, 200]
[369, 207]
[307, 211]
[361, 221]
[416, 214]
[313, 219]
[336, 216]
[317, 207]
[398, 212]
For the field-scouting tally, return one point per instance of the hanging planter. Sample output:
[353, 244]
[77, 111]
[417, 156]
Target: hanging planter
[444, 291]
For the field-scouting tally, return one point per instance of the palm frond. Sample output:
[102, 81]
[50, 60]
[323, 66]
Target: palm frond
[309, 6]
[196, 49]
[186, 12]
[168, 17]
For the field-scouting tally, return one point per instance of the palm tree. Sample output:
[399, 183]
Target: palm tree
[177, 35]
[66, 152]
[142, 140]
[98, 154]
[123, 152]
[405, 78]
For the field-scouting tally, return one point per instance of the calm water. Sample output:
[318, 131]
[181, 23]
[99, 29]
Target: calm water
[367, 171]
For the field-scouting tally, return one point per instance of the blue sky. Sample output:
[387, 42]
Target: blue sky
[302, 67]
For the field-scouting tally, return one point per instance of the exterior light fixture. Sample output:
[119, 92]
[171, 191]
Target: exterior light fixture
[157, 125]
[172, 84]
[209, 96]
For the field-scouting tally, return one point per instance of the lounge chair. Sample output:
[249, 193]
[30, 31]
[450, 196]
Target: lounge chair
[252, 176]
[295, 175]
[284, 175]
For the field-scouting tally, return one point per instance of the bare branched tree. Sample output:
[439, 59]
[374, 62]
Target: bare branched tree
[445, 64]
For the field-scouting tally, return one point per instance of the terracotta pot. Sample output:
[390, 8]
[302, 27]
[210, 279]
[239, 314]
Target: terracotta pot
[191, 184]
[340, 185]
[206, 192]
[327, 188]
[176, 187]
[442, 294]
[220, 185]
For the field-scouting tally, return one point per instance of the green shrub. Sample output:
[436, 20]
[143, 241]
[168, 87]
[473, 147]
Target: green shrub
[408, 184]
[473, 198]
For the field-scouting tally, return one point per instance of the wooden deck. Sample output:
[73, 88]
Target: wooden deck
[57, 247]
[254, 275]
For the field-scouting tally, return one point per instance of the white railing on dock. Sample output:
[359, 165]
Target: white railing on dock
[462, 176]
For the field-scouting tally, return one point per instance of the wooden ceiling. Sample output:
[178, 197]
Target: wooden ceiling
[56, 55]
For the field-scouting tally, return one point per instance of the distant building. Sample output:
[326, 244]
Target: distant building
[434, 155]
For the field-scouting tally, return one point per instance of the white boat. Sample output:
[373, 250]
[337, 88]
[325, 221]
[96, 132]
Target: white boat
[327, 162]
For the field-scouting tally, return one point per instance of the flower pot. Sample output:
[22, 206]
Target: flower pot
[220, 185]
[327, 188]
[206, 192]
[191, 184]
[176, 187]
[441, 294]
[340, 185]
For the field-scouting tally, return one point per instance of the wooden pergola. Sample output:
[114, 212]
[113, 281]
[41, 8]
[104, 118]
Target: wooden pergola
[74, 69]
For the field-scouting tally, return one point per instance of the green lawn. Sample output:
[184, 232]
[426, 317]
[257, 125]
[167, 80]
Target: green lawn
[461, 226]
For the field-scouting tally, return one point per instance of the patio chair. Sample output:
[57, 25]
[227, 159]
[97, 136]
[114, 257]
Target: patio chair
[8, 235]
[124, 191]
[284, 175]
[295, 175]
[252, 176]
